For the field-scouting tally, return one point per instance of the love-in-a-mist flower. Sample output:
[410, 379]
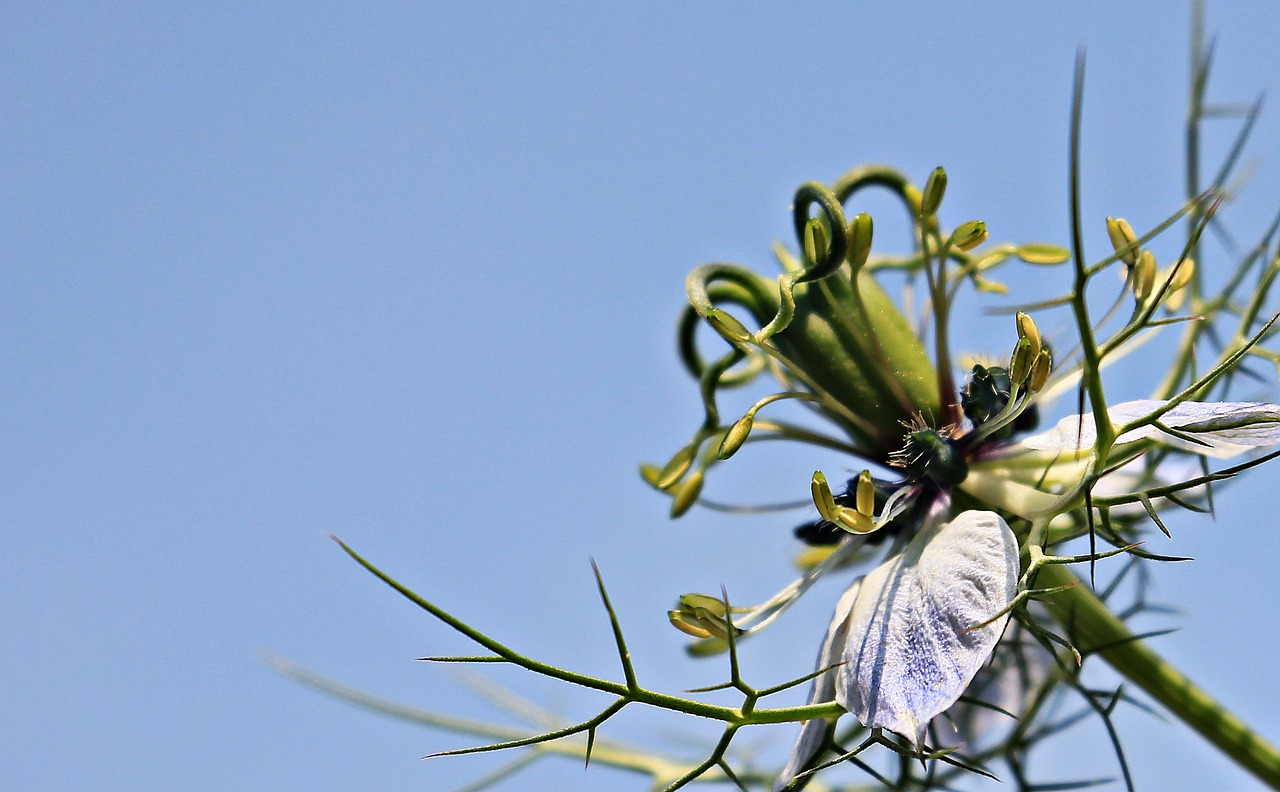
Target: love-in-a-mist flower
[966, 499]
[961, 633]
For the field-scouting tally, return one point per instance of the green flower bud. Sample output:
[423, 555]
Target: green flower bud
[933, 191]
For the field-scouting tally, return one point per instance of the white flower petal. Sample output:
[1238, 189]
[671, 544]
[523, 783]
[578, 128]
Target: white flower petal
[1218, 429]
[822, 690]
[911, 650]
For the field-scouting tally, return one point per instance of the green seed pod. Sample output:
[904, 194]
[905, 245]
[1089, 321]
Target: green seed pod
[929, 454]
[985, 393]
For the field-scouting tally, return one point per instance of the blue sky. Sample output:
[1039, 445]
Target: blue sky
[409, 275]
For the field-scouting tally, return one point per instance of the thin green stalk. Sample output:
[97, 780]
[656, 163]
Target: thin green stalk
[1095, 628]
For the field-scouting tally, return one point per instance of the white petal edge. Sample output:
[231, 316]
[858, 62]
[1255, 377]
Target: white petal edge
[1223, 429]
[822, 690]
[912, 645]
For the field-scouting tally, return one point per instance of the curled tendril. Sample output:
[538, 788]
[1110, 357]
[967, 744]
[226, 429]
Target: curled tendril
[892, 179]
[807, 195]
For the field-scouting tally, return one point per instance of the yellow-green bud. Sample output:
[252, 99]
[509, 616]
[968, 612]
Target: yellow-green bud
[860, 228]
[933, 191]
[866, 495]
[1122, 236]
[650, 473]
[1040, 371]
[815, 241]
[989, 286]
[822, 497]
[1181, 276]
[690, 603]
[729, 328]
[1020, 362]
[854, 521]
[1027, 329]
[1144, 275]
[687, 624]
[675, 468]
[969, 235]
[1038, 253]
[687, 495]
[736, 436]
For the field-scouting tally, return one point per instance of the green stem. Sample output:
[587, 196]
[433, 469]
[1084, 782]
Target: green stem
[1093, 625]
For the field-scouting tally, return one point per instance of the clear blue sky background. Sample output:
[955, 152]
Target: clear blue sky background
[408, 274]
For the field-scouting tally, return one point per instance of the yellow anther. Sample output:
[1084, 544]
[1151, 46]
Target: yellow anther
[969, 235]
[1144, 276]
[736, 436]
[860, 229]
[687, 495]
[687, 625]
[1020, 362]
[1122, 236]
[853, 521]
[933, 191]
[866, 499]
[822, 497]
[1182, 273]
[1040, 371]
[1027, 329]
[815, 241]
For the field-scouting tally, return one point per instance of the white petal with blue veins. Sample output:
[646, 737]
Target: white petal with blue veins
[823, 689]
[911, 649]
[1216, 429]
